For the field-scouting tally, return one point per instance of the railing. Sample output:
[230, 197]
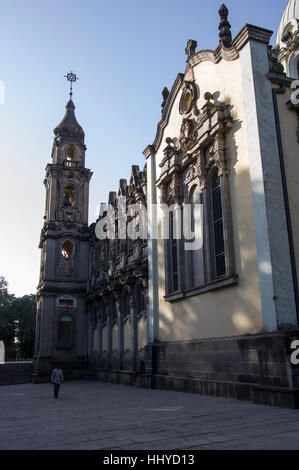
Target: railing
[70, 164]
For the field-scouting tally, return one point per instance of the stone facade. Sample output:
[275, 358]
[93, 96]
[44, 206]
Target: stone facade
[118, 288]
[218, 319]
[64, 244]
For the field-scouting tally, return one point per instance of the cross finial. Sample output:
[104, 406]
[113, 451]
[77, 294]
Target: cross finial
[72, 78]
[225, 35]
[190, 48]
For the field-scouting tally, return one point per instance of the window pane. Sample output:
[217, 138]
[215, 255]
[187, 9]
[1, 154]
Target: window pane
[173, 256]
[218, 232]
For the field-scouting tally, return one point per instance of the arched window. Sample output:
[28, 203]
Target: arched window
[173, 256]
[65, 331]
[67, 249]
[69, 196]
[196, 257]
[70, 154]
[217, 226]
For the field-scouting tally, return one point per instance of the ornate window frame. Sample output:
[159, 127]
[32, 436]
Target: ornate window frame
[189, 161]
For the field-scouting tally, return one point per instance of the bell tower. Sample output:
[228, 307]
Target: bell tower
[61, 328]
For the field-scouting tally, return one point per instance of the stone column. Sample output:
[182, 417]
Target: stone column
[274, 259]
[134, 331]
[90, 336]
[153, 305]
[109, 342]
[120, 334]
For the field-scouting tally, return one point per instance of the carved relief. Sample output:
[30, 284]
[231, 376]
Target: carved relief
[189, 135]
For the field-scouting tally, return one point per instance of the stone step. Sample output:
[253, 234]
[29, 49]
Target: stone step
[16, 373]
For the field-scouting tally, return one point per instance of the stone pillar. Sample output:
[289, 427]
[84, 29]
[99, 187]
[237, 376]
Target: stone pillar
[109, 345]
[134, 331]
[153, 305]
[90, 336]
[274, 259]
[120, 334]
[100, 337]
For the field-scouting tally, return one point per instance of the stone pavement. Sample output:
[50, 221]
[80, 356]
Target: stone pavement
[95, 415]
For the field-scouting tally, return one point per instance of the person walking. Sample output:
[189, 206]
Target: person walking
[57, 379]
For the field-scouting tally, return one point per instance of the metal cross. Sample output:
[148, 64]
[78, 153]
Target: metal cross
[72, 78]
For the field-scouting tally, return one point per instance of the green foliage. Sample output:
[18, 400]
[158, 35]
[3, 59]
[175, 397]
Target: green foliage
[17, 324]
[23, 311]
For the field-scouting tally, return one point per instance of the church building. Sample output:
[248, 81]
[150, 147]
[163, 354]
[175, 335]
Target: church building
[217, 318]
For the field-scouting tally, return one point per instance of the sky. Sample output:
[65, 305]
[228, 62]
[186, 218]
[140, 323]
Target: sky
[124, 53]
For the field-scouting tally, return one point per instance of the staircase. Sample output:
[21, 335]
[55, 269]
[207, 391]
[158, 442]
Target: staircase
[15, 373]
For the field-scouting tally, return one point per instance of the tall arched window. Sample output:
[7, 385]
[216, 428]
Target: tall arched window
[70, 154]
[65, 331]
[217, 226]
[196, 257]
[173, 256]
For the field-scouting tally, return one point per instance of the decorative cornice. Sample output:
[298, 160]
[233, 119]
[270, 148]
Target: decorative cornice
[251, 33]
[247, 33]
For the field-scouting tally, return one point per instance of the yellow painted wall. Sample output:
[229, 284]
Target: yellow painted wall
[232, 310]
[288, 125]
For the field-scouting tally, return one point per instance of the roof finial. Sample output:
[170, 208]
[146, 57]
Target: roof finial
[225, 35]
[72, 78]
[190, 48]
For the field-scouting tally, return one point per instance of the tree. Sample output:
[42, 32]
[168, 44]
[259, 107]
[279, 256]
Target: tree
[7, 325]
[23, 311]
[17, 324]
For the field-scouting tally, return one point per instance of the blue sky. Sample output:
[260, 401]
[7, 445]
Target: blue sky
[124, 52]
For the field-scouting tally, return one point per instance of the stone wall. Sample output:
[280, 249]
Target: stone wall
[253, 368]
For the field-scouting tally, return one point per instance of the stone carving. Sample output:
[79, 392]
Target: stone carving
[225, 35]
[274, 66]
[188, 137]
[66, 267]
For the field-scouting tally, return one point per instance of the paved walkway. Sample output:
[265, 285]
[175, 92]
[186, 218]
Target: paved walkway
[94, 415]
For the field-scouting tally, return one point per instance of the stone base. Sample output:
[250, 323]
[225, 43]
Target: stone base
[274, 396]
[123, 377]
[144, 381]
[253, 367]
[72, 370]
